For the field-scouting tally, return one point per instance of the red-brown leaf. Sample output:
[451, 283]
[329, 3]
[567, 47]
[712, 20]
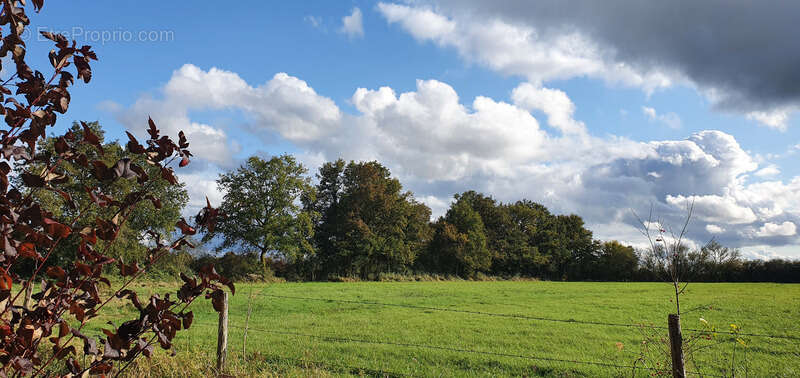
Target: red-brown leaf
[185, 228]
[91, 138]
[5, 280]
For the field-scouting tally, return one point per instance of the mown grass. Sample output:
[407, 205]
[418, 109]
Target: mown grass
[278, 342]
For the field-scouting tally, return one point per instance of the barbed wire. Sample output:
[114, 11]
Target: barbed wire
[457, 350]
[326, 364]
[529, 317]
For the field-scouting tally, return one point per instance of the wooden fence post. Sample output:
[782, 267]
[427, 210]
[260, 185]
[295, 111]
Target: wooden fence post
[28, 294]
[222, 335]
[676, 345]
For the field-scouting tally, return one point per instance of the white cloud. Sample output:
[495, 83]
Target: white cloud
[437, 205]
[422, 23]
[284, 104]
[200, 185]
[670, 119]
[775, 118]
[552, 102]
[352, 24]
[766, 252]
[549, 40]
[772, 229]
[438, 138]
[713, 208]
[517, 49]
[206, 141]
[439, 146]
[768, 171]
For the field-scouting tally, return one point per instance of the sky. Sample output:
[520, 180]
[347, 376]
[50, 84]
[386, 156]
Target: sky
[608, 110]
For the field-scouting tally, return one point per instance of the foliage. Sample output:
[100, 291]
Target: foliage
[130, 244]
[367, 224]
[616, 262]
[262, 209]
[366, 227]
[522, 238]
[33, 228]
[459, 243]
[238, 267]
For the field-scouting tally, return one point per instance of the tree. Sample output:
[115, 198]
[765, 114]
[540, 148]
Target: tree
[724, 260]
[668, 253]
[530, 224]
[460, 244]
[263, 211]
[368, 224]
[550, 245]
[574, 246]
[617, 262]
[131, 243]
[326, 206]
[500, 232]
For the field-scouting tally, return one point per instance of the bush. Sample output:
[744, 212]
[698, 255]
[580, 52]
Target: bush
[239, 267]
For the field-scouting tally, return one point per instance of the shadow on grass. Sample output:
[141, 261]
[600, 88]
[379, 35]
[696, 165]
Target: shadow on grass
[457, 365]
[333, 367]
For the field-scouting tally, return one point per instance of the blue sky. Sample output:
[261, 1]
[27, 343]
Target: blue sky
[559, 110]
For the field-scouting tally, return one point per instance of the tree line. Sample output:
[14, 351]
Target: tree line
[355, 220]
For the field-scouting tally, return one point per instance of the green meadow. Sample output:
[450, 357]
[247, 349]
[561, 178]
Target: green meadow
[410, 336]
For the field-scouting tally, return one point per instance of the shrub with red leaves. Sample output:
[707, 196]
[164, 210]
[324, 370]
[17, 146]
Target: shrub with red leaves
[66, 298]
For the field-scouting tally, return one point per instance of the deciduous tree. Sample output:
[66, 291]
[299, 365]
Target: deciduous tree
[369, 224]
[263, 208]
[131, 243]
[459, 244]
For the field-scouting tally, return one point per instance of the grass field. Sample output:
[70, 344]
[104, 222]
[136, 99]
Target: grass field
[279, 341]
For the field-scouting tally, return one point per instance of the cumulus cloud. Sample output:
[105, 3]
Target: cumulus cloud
[294, 109]
[436, 137]
[552, 102]
[771, 229]
[439, 144]
[670, 119]
[737, 55]
[713, 208]
[352, 24]
[285, 105]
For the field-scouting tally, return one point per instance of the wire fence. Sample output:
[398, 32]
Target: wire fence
[529, 317]
[453, 349]
[636, 366]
